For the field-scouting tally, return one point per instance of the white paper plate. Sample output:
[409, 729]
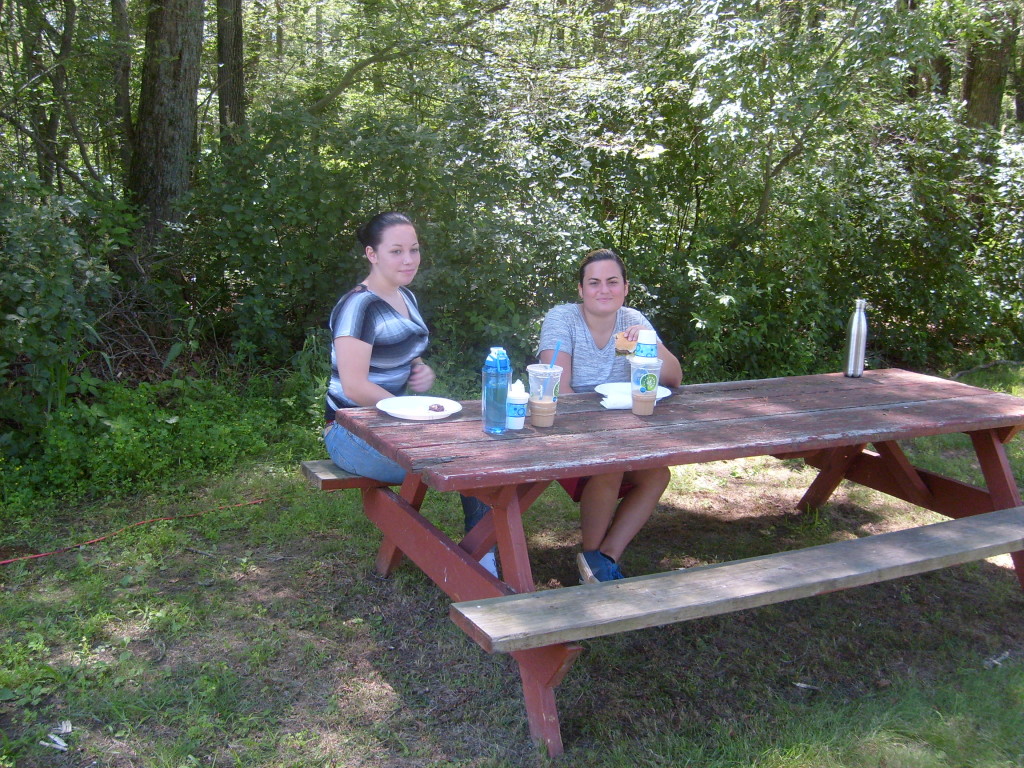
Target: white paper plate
[417, 407]
[620, 389]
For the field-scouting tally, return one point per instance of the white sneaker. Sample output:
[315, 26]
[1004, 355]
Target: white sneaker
[490, 563]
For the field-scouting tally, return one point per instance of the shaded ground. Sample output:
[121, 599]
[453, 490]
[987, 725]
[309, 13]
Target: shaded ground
[308, 658]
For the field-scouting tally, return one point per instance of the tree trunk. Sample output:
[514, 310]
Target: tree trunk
[1018, 87]
[166, 126]
[791, 13]
[985, 71]
[601, 9]
[230, 71]
[319, 38]
[34, 68]
[121, 35]
[912, 82]
[943, 69]
[279, 28]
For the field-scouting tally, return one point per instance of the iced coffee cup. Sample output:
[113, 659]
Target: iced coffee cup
[643, 379]
[543, 393]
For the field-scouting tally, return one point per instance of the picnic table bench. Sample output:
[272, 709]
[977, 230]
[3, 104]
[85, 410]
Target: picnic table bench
[325, 475]
[535, 619]
[829, 421]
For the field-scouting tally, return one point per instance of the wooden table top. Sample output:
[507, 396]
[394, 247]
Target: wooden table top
[697, 423]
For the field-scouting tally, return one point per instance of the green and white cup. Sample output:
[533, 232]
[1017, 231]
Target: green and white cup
[643, 381]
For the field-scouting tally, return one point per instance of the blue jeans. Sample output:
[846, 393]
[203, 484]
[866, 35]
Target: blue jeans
[355, 455]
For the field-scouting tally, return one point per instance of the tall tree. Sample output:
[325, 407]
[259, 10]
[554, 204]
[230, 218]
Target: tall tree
[230, 70]
[165, 129]
[121, 35]
[1018, 86]
[987, 66]
[47, 41]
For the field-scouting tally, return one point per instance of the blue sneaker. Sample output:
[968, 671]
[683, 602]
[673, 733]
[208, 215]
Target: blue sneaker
[595, 566]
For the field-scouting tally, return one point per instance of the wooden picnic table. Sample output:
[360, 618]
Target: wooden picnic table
[828, 420]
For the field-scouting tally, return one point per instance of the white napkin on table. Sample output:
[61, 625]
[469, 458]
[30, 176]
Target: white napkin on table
[618, 400]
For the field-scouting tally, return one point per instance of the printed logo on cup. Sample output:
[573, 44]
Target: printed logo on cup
[646, 350]
[516, 410]
[646, 343]
[648, 382]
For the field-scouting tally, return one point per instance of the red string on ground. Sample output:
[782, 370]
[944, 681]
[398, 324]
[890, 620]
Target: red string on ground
[122, 530]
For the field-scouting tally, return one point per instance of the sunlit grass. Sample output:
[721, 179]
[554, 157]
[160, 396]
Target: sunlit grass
[259, 636]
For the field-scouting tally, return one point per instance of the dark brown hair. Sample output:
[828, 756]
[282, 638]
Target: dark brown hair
[601, 254]
[372, 232]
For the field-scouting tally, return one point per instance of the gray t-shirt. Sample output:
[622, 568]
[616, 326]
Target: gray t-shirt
[590, 366]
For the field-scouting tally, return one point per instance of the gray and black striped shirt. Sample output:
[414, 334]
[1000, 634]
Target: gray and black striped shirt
[396, 341]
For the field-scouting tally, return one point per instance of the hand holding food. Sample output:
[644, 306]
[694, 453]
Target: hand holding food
[625, 341]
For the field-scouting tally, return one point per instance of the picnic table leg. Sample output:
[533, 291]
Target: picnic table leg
[541, 670]
[389, 555]
[999, 481]
[483, 536]
[504, 525]
[905, 474]
[507, 512]
[833, 471]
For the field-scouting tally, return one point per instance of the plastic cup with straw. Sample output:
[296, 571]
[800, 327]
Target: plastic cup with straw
[554, 357]
[543, 391]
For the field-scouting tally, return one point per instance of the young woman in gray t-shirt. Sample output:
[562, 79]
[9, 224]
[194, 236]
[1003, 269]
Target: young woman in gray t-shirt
[587, 356]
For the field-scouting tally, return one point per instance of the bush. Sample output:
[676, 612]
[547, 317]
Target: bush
[49, 284]
[129, 439]
[264, 249]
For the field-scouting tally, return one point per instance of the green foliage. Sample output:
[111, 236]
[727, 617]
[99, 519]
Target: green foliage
[759, 175]
[50, 286]
[265, 239]
[758, 165]
[272, 226]
[152, 436]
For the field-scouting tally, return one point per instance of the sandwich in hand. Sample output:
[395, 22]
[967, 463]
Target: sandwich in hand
[623, 346]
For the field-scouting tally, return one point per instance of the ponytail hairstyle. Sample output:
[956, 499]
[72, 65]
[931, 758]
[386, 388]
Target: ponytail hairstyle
[371, 233]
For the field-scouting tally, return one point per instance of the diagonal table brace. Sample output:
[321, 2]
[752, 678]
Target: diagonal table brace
[904, 474]
[484, 536]
[834, 466]
[891, 472]
[389, 555]
[441, 559]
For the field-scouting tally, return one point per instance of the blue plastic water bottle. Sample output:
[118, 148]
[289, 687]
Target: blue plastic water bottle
[497, 373]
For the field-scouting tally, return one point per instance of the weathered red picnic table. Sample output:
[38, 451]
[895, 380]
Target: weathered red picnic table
[828, 420]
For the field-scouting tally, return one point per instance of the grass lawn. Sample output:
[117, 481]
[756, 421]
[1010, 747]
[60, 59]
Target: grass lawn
[259, 635]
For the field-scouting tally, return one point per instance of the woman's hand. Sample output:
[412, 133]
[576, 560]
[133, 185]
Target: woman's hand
[633, 332]
[421, 378]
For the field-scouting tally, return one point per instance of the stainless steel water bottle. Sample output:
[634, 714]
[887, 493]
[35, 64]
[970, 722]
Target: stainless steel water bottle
[856, 340]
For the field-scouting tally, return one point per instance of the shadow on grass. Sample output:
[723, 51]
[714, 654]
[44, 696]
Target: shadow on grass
[267, 640]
